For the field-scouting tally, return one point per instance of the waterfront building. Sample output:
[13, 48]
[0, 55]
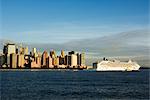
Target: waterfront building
[69, 60]
[34, 64]
[28, 60]
[52, 54]
[2, 59]
[71, 52]
[61, 60]
[9, 49]
[44, 57]
[17, 50]
[62, 53]
[57, 61]
[78, 59]
[13, 60]
[66, 60]
[20, 60]
[49, 62]
[73, 60]
[82, 59]
[38, 59]
[26, 50]
[34, 53]
[22, 50]
[5, 49]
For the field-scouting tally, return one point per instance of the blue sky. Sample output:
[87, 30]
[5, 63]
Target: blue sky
[58, 21]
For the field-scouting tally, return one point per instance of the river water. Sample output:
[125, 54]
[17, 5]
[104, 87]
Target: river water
[74, 85]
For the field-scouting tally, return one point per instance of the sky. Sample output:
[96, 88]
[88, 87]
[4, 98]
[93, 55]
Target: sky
[59, 21]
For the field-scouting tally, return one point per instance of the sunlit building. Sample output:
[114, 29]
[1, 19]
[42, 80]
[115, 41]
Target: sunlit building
[72, 60]
[20, 60]
[9, 49]
[53, 54]
[62, 53]
[38, 59]
[26, 50]
[82, 59]
[44, 57]
[49, 62]
[13, 60]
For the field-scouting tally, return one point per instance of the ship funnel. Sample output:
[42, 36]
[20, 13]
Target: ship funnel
[129, 61]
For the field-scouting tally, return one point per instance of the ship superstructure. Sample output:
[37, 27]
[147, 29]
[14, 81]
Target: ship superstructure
[116, 65]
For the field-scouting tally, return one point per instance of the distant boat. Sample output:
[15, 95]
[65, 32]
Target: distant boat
[116, 65]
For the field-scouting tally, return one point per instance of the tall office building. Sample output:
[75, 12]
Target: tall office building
[21, 49]
[20, 60]
[61, 60]
[62, 53]
[34, 53]
[82, 59]
[73, 60]
[38, 59]
[13, 60]
[53, 54]
[71, 52]
[26, 50]
[78, 59]
[57, 61]
[9, 49]
[44, 57]
[66, 60]
[33, 50]
[17, 50]
[49, 62]
[2, 59]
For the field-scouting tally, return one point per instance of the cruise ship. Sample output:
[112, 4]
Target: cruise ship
[116, 65]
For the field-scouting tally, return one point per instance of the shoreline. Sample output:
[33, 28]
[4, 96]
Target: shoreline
[73, 70]
[43, 69]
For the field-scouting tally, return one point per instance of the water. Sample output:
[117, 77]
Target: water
[69, 85]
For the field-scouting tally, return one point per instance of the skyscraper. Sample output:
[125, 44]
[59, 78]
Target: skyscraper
[38, 59]
[20, 60]
[44, 57]
[26, 50]
[82, 59]
[49, 62]
[62, 53]
[61, 60]
[34, 53]
[9, 49]
[53, 54]
[13, 60]
[73, 60]
[33, 50]
[78, 59]
[66, 60]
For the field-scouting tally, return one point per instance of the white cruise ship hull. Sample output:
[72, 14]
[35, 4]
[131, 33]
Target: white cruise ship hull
[117, 66]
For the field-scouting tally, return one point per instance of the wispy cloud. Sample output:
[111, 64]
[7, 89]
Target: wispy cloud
[67, 31]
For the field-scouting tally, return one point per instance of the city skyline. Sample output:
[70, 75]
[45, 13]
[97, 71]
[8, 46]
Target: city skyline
[59, 21]
[19, 57]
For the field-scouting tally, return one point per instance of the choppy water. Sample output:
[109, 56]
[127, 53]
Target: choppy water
[82, 85]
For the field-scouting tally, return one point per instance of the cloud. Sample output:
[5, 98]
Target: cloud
[60, 32]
